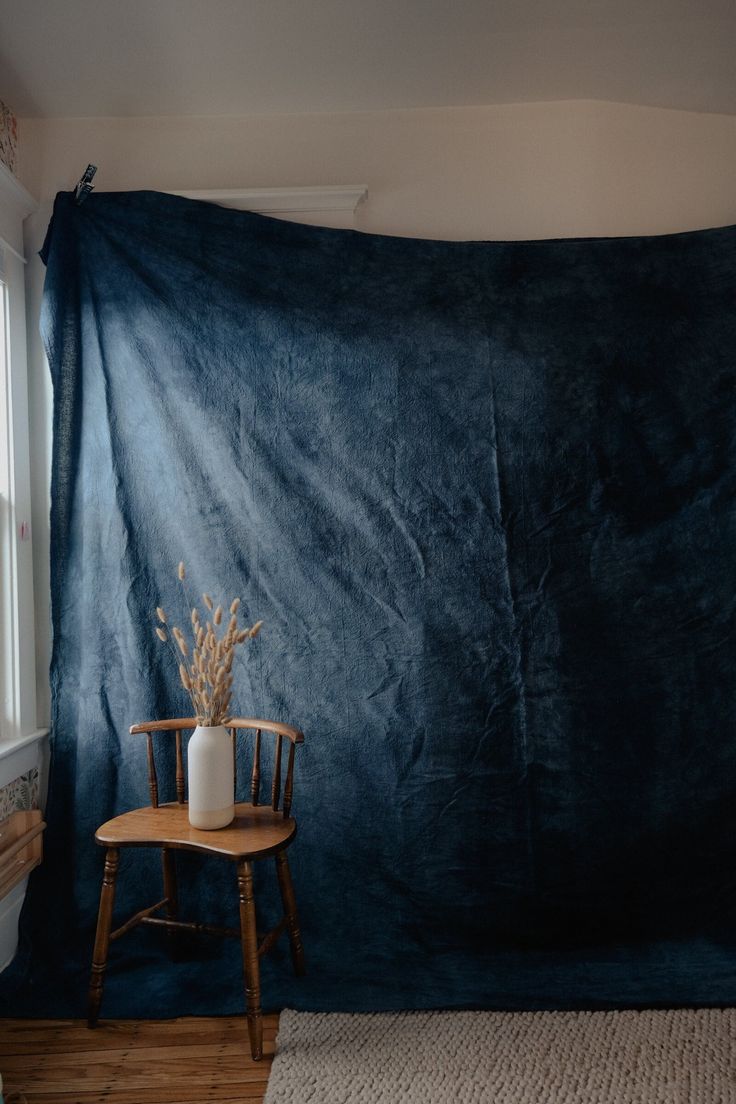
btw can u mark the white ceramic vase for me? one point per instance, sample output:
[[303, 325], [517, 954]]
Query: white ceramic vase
[[211, 781]]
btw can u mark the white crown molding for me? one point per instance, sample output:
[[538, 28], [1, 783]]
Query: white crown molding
[[334, 197], [14, 195]]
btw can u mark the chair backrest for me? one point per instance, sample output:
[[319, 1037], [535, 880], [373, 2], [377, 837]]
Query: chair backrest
[[280, 731]]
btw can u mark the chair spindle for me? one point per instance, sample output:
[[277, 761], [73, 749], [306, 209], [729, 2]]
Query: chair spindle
[[276, 788], [179, 769], [235, 764], [255, 780], [289, 787], [152, 779]]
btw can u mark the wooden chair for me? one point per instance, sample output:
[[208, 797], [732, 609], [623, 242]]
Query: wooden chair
[[257, 832]]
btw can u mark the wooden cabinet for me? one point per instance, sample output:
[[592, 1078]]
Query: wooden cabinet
[[21, 847]]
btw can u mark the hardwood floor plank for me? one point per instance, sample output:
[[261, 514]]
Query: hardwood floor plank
[[183, 1061], [101, 1090], [179, 1053], [30, 1036], [254, 1092], [131, 1027], [198, 1071]]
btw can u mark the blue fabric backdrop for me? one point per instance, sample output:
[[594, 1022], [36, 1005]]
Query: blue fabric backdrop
[[482, 495]]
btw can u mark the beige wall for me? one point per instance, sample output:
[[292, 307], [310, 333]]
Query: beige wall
[[512, 171]]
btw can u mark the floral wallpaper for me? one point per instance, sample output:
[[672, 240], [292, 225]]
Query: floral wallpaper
[[8, 137], [21, 793]]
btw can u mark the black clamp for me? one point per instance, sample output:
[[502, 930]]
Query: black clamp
[[85, 185]]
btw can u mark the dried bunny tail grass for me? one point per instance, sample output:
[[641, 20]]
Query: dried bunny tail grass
[[207, 677], [181, 571]]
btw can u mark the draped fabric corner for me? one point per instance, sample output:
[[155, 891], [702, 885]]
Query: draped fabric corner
[[482, 496]]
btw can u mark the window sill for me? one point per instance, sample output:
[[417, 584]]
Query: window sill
[[8, 747]]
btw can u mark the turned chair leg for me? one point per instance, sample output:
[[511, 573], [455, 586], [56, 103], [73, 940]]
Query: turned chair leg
[[251, 968], [292, 917], [168, 864], [102, 937]]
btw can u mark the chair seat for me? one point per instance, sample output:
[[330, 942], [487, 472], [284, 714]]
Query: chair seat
[[255, 832]]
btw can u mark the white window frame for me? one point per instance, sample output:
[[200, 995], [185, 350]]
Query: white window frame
[[18, 722]]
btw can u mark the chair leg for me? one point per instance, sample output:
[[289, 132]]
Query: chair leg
[[251, 968], [171, 892], [102, 937], [292, 917]]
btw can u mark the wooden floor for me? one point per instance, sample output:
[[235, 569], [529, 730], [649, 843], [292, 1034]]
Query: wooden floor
[[134, 1061]]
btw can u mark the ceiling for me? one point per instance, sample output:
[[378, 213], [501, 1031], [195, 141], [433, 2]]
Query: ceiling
[[234, 57]]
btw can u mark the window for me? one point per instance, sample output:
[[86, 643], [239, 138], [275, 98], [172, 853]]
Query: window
[[7, 611], [17, 638]]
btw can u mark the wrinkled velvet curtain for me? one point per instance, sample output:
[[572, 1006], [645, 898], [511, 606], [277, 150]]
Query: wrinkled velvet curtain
[[482, 495]]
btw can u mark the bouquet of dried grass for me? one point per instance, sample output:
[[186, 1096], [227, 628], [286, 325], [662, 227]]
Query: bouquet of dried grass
[[205, 669]]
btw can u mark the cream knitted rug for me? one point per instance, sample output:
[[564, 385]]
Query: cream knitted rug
[[670, 1057]]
